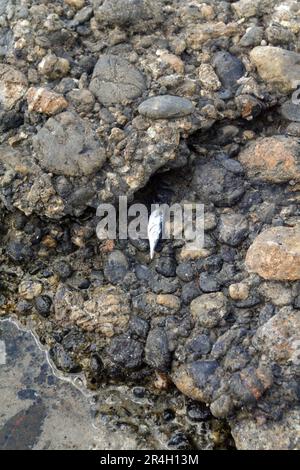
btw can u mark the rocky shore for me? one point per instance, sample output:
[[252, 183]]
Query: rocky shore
[[160, 101]]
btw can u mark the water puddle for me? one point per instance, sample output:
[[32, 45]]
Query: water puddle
[[41, 408]]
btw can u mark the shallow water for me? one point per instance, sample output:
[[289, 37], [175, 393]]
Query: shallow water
[[41, 408]]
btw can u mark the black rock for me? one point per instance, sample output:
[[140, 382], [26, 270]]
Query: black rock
[[74, 340], [162, 285], [116, 267], [189, 292], [168, 415], [43, 305], [229, 69], [84, 284], [139, 327], [142, 272], [215, 184], [10, 120], [140, 244], [96, 366], [126, 352], [297, 302], [23, 307], [179, 441], [20, 220], [186, 272], [18, 252], [251, 301], [64, 270], [62, 359], [198, 412], [210, 264], [139, 392], [157, 352], [232, 229], [202, 370], [267, 312], [166, 266], [199, 345], [208, 283], [27, 394]]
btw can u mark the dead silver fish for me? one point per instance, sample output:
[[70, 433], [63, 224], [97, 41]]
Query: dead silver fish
[[155, 226]]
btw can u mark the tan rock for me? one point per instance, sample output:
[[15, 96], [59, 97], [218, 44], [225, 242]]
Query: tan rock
[[203, 32], [13, 86], [278, 67], [208, 309], [208, 77], [30, 289], [77, 4], [279, 337], [53, 67], [106, 311], [169, 301], [252, 434], [248, 8], [187, 254], [275, 254], [239, 291], [273, 159], [41, 100], [184, 382], [172, 60]]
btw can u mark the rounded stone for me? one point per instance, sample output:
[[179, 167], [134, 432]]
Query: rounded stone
[[67, 145], [115, 80], [116, 267], [238, 291], [275, 254], [166, 107], [273, 159], [43, 305]]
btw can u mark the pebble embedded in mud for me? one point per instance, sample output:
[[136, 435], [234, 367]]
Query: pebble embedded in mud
[[166, 107]]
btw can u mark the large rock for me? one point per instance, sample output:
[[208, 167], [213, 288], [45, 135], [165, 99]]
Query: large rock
[[216, 184], [201, 33], [233, 229], [157, 352], [126, 352], [249, 8], [272, 159], [166, 107], [106, 311], [260, 434], [41, 100], [115, 80], [13, 86], [278, 67], [279, 337], [275, 254], [66, 145], [127, 12]]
